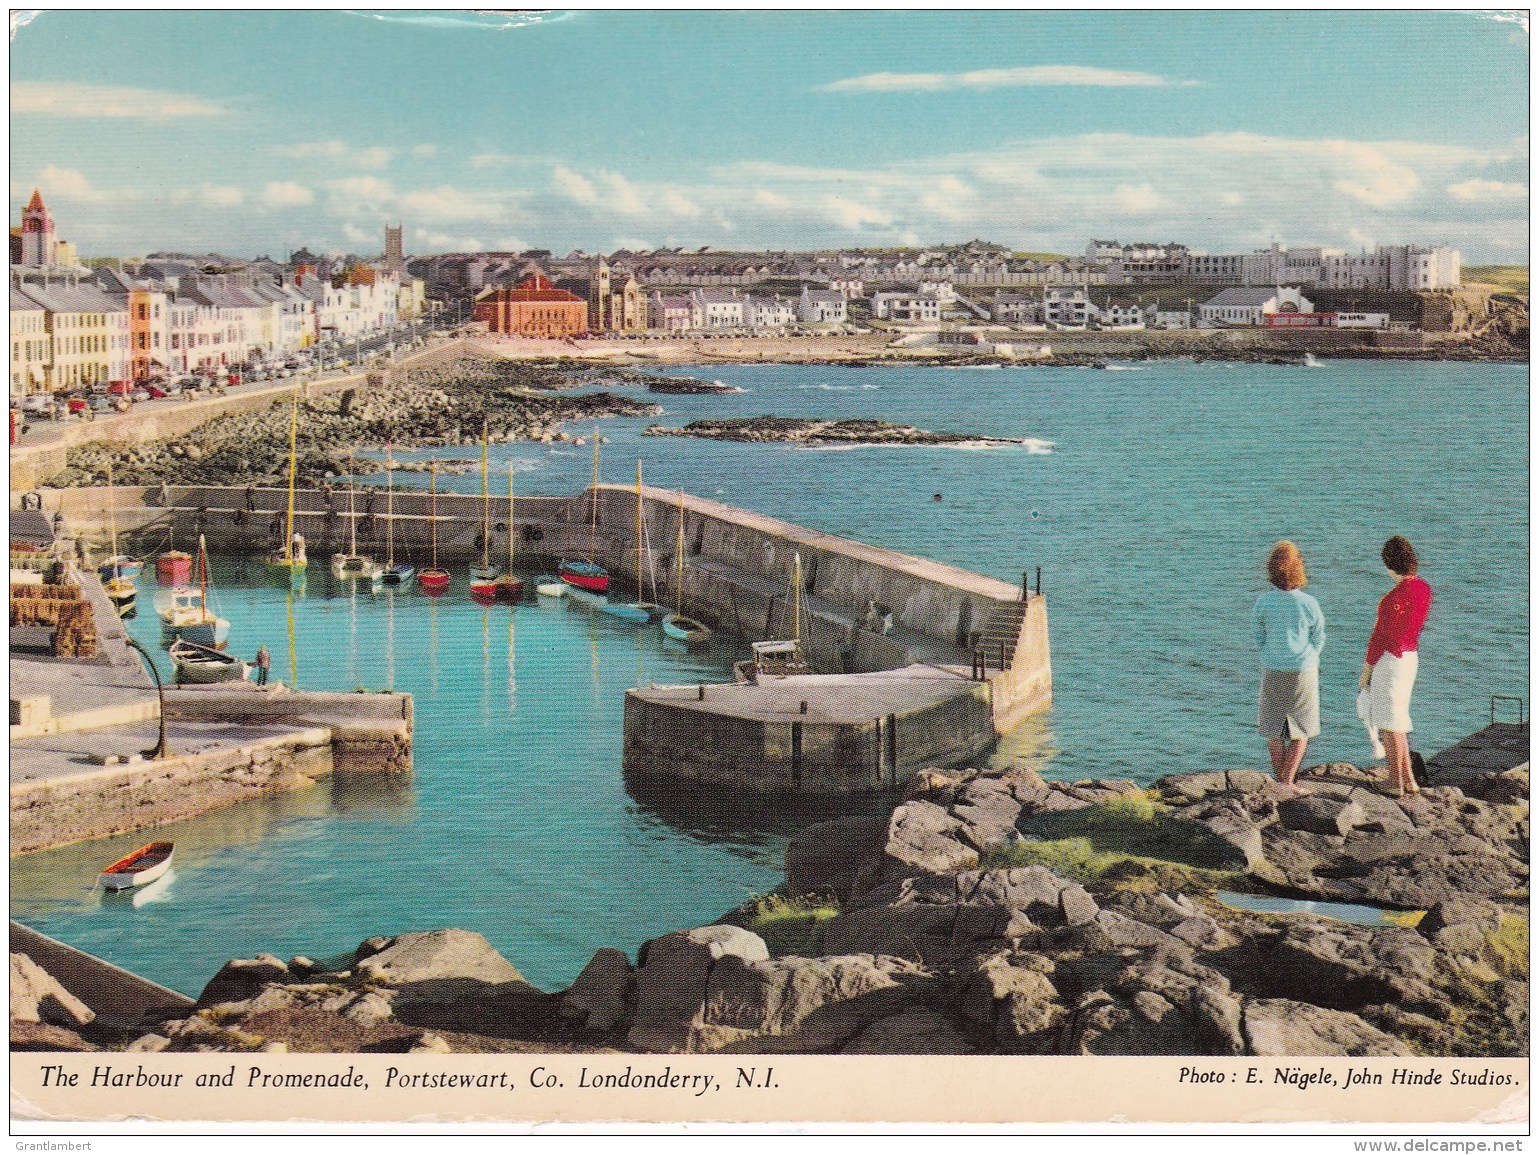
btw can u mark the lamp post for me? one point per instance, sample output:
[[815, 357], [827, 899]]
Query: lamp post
[[161, 750]]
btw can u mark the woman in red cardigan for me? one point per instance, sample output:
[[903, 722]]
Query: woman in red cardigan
[[1389, 670]]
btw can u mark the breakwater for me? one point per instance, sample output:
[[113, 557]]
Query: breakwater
[[943, 661]]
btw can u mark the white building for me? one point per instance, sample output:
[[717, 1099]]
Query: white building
[[716, 309], [823, 306], [1248, 305], [912, 308], [1065, 307], [768, 312]]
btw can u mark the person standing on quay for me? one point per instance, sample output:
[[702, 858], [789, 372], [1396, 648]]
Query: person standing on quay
[[264, 662], [1389, 670], [1290, 633]]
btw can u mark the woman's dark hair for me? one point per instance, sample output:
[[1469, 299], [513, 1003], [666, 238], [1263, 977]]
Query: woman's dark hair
[[1399, 556]]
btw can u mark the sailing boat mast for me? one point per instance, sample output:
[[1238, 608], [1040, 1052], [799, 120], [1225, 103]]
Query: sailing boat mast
[[389, 509], [593, 489], [638, 529], [352, 522], [288, 541], [486, 504], [433, 508], [510, 520], [678, 553], [796, 598]]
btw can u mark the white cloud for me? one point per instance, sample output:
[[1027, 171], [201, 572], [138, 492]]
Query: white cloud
[[678, 204], [429, 241], [70, 184], [286, 194], [1041, 75], [447, 203], [1488, 190], [217, 197], [623, 196], [105, 101], [357, 235], [374, 156], [853, 215], [1139, 200], [491, 160], [424, 150], [574, 185]]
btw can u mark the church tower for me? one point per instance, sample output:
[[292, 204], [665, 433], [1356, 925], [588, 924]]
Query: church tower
[[395, 252], [37, 239]]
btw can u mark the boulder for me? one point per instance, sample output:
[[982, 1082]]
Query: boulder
[[240, 979], [1320, 813], [434, 956], [922, 836], [913, 1031], [1347, 967], [672, 978], [827, 858], [598, 995], [1287, 1027], [38, 997]]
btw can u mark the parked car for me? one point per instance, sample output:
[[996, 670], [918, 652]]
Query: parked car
[[156, 392], [140, 394], [77, 405], [38, 405], [101, 403]]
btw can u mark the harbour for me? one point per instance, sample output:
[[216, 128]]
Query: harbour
[[518, 714]]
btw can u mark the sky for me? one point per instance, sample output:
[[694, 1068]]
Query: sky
[[259, 132]]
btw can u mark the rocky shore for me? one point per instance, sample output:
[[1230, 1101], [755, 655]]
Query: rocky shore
[[816, 431], [518, 401], [989, 912]]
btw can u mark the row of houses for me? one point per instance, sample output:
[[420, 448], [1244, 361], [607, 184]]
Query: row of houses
[[171, 314], [1391, 268]]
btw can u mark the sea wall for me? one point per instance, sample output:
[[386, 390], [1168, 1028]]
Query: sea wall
[[101, 802], [369, 733]]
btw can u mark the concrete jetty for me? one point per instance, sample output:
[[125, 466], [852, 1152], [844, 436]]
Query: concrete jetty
[[85, 731]]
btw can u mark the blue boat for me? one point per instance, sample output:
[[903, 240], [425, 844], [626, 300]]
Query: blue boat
[[642, 612], [127, 568]]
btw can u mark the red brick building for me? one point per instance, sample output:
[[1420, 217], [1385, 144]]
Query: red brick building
[[534, 309]]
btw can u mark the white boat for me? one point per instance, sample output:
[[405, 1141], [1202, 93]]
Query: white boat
[[203, 666], [676, 625], [142, 866], [352, 564], [289, 560], [184, 611], [779, 659], [118, 572], [395, 573], [550, 586], [638, 610]]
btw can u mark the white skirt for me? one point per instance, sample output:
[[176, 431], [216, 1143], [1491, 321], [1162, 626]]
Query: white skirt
[[1389, 692]]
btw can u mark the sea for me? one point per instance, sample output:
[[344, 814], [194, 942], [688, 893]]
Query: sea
[[1148, 494]]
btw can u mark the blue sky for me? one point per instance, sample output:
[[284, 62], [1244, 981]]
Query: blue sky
[[261, 131]]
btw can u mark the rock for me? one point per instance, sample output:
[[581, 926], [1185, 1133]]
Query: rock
[[1012, 997], [275, 1047], [827, 858], [430, 1044], [368, 1009], [915, 1031], [598, 996], [1286, 1027], [672, 977], [434, 956], [1347, 967], [924, 837], [38, 997], [1320, 813], [150, 1044], [29, 1035], [240, 979]]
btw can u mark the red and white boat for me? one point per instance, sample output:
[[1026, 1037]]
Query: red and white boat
[[433, 580], [142, 866], [585, 575]]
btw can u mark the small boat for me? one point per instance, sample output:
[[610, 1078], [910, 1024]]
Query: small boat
[[433, 581], [123, 596], [118, 572], [173, 568], [395, 573], [483, 577], [779, 659], [142, 866], [588, 575], [638, 610], [506, 587], [585, 575], [642, 612], [120, 566], [550, 586], [676, 625], [289, 559], [202, 666], [352, 564], [184, 611]]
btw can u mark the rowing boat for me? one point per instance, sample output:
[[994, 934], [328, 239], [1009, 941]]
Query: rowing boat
[[144, 865]]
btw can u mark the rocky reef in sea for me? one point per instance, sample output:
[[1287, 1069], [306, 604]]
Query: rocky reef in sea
[[989, 912]]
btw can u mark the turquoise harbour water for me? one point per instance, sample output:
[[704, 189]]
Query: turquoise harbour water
[[1150, 514]]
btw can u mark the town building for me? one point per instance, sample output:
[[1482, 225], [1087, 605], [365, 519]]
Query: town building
[[1252, 305], [908, 307], [823, 306], [1066, 307], [535, 308]]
